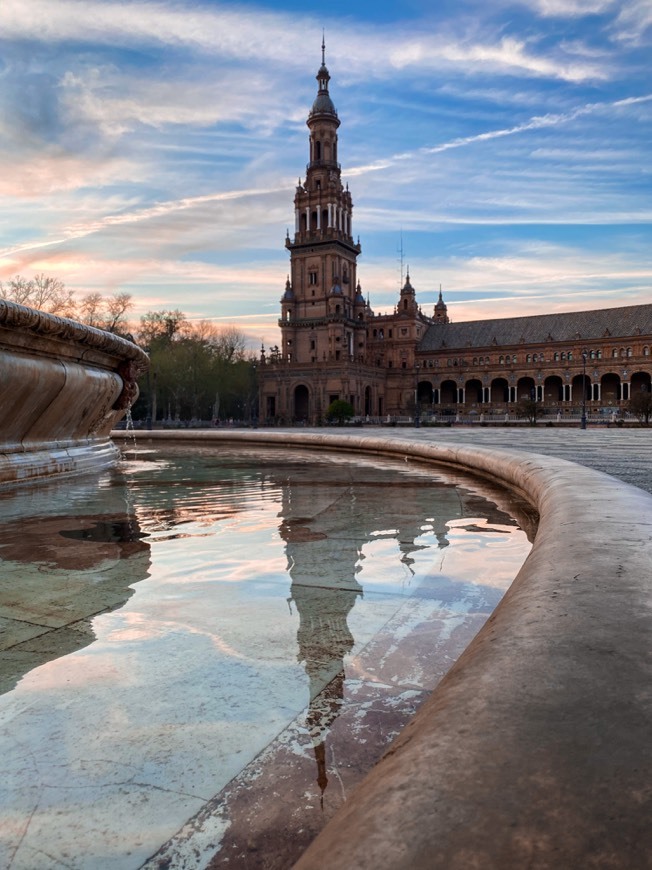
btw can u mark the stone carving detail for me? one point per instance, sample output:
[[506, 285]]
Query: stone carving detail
[[128, 371], [17, 316]]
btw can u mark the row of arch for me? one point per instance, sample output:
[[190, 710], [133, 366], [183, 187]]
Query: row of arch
[[610, 388]]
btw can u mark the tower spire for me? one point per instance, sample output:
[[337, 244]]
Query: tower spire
[[323, 48]]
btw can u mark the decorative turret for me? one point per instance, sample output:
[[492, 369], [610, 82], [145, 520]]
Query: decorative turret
[[408, 299], [288, 296], [441, 311]]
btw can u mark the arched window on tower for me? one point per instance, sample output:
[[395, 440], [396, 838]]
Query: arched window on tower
[[317, 150]]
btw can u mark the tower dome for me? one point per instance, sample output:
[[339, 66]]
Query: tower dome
[[323, 105]]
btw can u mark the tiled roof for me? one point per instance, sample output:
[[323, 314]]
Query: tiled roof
[[626, 322]]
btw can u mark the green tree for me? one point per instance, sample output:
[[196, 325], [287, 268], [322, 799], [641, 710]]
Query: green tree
[[197, 371], [339, 411], [640, 404], [528, 409]]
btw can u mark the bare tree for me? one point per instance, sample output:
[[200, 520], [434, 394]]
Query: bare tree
[[41, 292], [230, 344], [117, 306], [90, 309]]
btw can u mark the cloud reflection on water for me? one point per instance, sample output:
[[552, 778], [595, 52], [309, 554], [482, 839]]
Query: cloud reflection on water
[[286, 608]]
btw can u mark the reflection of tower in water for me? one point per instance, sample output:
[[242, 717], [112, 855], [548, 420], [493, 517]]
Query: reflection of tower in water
[[327, 523], [324, 639], [329, 516], [324, 537]]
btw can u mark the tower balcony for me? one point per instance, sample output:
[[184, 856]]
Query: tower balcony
[[323, 164]]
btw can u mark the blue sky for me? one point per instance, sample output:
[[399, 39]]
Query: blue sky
[[153, 148]]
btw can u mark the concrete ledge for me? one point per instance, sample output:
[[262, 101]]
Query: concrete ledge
[[534, 749]]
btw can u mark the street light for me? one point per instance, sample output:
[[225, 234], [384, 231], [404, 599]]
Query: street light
[[417, 421], [583, 423]]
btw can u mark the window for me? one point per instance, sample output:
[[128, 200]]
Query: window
[[501, 360], [312, 277], [528, 358], [646, 350], [629, 351], [599, 354], [555, 356], [614, 353]]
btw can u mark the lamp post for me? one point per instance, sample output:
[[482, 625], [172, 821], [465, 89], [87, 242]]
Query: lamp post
[[583, 423], [417, 421]]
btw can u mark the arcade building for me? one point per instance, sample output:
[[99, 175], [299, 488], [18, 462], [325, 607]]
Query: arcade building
[[409, 364]]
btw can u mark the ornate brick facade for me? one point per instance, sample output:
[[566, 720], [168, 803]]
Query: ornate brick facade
[[333, 346]]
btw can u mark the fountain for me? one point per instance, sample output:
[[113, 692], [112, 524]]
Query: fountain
[[64, 386]]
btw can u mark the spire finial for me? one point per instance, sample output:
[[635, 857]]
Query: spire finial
[[323, 48]]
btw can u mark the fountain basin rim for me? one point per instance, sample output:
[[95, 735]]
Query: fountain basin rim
[[532, 751]]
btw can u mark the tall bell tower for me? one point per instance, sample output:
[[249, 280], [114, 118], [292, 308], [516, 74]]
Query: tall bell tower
[[322, 309]]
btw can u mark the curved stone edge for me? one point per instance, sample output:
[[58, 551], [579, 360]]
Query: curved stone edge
[[534, 749], [56, 461]]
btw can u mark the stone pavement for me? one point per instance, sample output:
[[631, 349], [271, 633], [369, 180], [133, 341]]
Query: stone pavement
[[623, 453]]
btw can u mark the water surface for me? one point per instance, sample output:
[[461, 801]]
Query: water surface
[[202, 655]]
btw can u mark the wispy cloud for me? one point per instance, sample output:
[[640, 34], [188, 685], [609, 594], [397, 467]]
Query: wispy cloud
[[535, 123], [277, 37], [154, 146]]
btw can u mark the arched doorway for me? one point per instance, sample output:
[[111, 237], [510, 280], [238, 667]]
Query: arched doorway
[[553, 390], [424, 394], [610, 384], [448, 393], [473, 392], [301, 403], [367, 401], [578, 392], [640, 381], [499, 390], [525, 389]]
